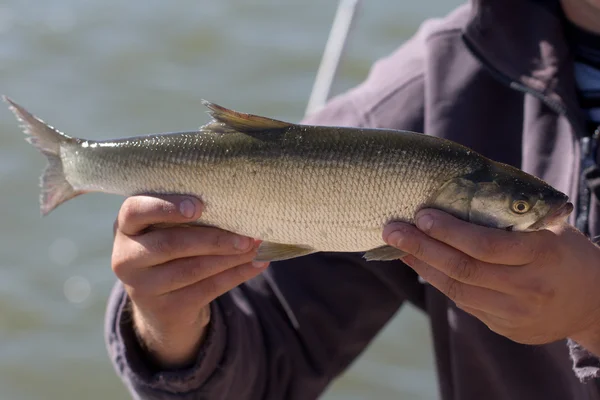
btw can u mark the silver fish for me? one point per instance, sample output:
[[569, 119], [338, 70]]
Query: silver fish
[[300, 189]]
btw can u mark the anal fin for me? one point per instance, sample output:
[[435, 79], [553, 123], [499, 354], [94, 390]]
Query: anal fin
[[384, 253], [269, 251]]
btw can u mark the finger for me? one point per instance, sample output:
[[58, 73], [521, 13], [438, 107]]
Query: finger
[[176, 274], [163, 245], [139, 212], [207, 290], [491, 245], [448, 260], [464, 295]]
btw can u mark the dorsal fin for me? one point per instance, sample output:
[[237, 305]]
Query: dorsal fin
[[243, 122]]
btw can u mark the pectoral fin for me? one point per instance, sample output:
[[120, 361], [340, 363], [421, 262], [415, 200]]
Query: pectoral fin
[[384, 253], [269, 251]]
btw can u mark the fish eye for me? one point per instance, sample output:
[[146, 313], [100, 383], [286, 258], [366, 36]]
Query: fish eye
[[520, 206]]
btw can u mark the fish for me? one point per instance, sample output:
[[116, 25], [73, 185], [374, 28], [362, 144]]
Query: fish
[[299, 189]]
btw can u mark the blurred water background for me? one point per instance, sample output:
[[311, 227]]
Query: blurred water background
[[103, 69]]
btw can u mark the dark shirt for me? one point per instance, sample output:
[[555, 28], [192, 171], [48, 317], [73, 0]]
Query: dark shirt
[[586, 49]]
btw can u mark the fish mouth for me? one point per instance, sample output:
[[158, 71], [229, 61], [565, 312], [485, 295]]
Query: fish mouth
[[558, 213]]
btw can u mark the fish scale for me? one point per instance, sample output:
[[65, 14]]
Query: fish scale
[[300, 189]]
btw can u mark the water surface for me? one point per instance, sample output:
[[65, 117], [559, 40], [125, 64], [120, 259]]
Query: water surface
[[104, 69]]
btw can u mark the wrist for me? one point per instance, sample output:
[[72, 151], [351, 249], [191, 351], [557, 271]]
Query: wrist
[[170, 347]]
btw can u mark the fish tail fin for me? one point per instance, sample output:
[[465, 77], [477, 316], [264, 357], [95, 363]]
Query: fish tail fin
[[55, 189]]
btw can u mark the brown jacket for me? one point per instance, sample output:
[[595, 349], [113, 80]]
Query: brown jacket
[[496, 76]]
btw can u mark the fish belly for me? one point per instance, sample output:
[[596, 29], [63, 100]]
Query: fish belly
[[331, 208]]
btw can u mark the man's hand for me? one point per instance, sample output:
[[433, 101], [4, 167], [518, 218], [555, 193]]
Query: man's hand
[[171, 275], [533, 287]]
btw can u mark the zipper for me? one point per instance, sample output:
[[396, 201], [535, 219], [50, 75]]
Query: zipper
[[588, 144]]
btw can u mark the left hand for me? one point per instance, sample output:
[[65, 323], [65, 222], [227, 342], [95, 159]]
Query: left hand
[[532, 287]]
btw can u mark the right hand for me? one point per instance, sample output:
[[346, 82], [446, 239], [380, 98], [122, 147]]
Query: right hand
[[172, 274]]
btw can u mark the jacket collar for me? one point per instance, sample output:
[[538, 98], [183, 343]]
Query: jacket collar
[[523, 42]]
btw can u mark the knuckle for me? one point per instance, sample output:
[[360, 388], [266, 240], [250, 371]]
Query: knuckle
[[129, 212], [504, 277], [136, 281], [119, 268], [221, 239], [540, 295], [536, 291], [178, 276], [418, 248], [164, 244], [120, 264], [532, 252], [517, 245], [459, 268], [453, 290], [489, 246], [185, 274], [518, 313]]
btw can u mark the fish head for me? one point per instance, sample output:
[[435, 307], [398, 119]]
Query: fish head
[[501, 196]]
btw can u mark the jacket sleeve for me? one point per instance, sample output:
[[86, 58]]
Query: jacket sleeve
[[585, 364], [290, 331]]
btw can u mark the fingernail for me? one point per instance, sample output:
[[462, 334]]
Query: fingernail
[[425, 222], [241, 242], [259, 264], [187, 208], [396, 238]]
